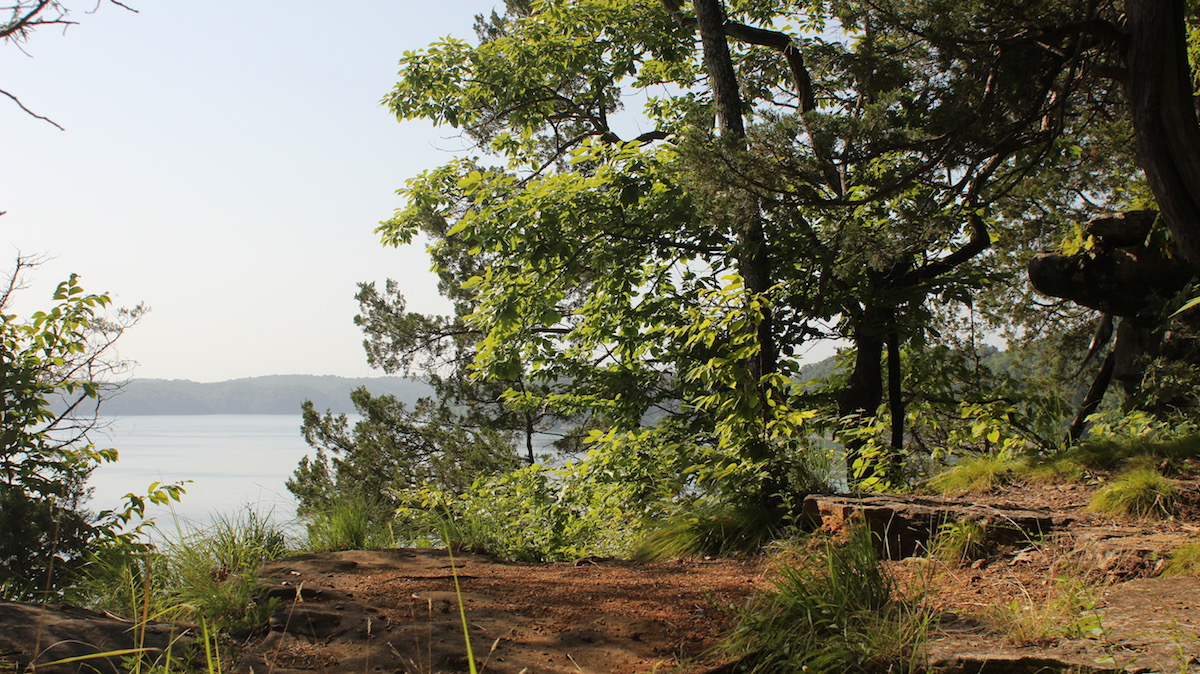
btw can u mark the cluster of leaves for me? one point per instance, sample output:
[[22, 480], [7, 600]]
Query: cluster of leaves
[[53, 369]]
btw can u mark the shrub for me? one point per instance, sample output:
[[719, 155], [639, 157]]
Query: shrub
[[52, 367], [832, 610], [1140, 492], [530, 514]]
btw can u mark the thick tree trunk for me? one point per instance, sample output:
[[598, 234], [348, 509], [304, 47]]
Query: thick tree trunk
[[895, 393], [864, 391], [1164, 116]]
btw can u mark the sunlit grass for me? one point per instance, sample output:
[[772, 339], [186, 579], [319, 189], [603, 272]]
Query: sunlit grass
[[832, 609], [1141, 492]]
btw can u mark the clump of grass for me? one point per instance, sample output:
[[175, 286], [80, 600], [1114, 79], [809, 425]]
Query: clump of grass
[[1068, 613], [206, 574], [1057, 470], [977, 474], [1114, 454], [1141, 492], [350, 523], [709, 529], [1183, 561], [960, 542], [213, 570], [832, 610], [200, 575]]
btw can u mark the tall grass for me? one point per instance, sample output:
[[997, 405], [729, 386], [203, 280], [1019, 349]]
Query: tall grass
[[710, 529], [831, 610], [350, 523], [198, 574]]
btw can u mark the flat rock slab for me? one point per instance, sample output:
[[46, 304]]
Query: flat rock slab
[[1122, 553], [906, 525], [40, 635]]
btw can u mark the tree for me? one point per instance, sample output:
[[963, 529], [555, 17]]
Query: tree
[[392, 449], [27, 16], [849, 180], [55, 369]]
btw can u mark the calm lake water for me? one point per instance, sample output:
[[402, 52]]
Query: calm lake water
[[233, 461]]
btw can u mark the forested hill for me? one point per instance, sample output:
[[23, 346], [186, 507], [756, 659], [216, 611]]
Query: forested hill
[[277, 394]]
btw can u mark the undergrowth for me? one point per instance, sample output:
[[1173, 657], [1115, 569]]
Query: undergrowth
[[831, 609], [979, 473], [1068, 613]]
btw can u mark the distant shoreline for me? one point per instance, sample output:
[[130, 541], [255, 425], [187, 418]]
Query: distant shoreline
[[269, 395]]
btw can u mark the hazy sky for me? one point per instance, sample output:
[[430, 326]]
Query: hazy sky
[[225, 163]]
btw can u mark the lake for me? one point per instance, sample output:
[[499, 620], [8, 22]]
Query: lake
[[234, 461]]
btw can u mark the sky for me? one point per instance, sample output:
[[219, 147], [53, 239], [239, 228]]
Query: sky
[[225, 163]]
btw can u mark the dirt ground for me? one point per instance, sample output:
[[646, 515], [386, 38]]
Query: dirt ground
[[397, 610]]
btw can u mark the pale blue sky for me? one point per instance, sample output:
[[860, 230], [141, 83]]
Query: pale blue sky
[[225, 163]]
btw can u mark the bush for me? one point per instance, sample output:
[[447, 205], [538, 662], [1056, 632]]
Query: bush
[[832, 610], [52, 367], [530, 514]]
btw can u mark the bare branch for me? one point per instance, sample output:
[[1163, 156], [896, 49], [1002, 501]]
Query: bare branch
[[31, 113]]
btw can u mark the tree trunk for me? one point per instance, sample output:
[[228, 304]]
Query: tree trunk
[[529, 438], [752, 256], [1095, 394], [864, 390], [1164, 116], [895, 393]]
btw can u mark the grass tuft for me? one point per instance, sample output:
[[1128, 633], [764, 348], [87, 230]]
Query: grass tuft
[[350, 523], [831, 610], [961, 542], [1141, 492], [977, 474], [1183, 561], [1067, 614], [709, 530]]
